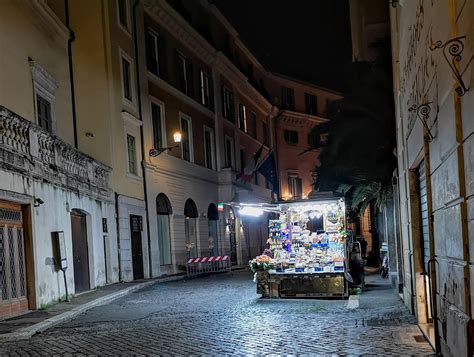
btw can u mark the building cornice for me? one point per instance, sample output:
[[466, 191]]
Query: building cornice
[[47, 19], [162, 84], [174, 23], [300, 120]]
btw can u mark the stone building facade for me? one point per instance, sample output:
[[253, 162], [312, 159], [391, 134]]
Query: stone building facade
[[48, 188], [89, 90], [433, 44]]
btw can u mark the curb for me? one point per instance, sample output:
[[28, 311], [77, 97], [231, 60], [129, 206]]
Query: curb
[[28, 332]]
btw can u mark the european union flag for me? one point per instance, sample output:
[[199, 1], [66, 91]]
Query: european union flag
[[269, 171]]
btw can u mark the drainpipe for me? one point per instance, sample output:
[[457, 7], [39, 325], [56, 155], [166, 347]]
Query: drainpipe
[[72, 37], [117, 228], [140, 117]]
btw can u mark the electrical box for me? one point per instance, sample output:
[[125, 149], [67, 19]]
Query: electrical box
[[59, 249]]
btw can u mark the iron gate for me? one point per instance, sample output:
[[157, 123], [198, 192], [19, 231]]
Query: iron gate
[[13, 298]]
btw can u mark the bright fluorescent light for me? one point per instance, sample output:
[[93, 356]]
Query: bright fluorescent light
[[251, 211]]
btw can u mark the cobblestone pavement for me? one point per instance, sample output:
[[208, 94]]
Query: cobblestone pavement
[[222, 315]]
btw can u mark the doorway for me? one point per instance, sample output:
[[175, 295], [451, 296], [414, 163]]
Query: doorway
[[13, 286], [232, 236], [137, 249], [80, 251]]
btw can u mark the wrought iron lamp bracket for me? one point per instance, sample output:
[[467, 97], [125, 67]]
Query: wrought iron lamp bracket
[[452, 52], [155, 152], [423, 113]]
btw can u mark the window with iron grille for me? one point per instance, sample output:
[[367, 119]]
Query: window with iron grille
[[291, 136]]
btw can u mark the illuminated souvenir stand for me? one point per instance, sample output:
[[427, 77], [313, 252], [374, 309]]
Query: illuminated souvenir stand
[[306, 253]]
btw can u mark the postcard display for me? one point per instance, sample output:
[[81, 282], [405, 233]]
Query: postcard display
[[307, 252]]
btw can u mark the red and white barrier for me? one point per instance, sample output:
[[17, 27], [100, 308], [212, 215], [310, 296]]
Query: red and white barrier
[[195, 266]]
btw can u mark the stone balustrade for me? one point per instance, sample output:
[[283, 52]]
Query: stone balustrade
[[48, 155]]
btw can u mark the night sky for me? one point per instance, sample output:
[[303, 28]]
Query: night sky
[[306, 39]]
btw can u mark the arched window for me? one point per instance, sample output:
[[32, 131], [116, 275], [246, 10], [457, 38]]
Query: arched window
[[163, 210], [212, 224], [190, 215]]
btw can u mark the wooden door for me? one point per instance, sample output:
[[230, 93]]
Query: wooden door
[[13, 290], [137, 251], [80, 252]]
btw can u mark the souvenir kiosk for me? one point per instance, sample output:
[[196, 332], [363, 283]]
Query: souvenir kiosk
[[306, 253]]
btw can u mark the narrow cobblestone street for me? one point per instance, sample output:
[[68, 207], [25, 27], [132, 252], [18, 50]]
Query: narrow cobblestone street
[[222, 315]]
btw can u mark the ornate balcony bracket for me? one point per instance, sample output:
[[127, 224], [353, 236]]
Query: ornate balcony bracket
[[452, 52], [423, 113]]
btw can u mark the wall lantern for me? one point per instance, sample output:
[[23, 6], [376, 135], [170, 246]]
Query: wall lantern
[[177, 136]]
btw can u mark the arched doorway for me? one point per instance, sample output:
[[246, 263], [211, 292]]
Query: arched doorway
[[212, 224], [230, 228], [190, 216], [163, 212], [80, 251]]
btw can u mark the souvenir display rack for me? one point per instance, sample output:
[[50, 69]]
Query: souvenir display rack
[[306, 253]]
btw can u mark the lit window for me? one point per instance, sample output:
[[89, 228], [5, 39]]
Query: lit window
[[295, 187], [243, 117], [186, 140]]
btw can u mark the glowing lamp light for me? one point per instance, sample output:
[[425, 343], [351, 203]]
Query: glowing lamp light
[[251, 211], [177, 137]]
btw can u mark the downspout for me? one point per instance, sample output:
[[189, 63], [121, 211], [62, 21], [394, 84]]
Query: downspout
[[117, 228], [72, 37], [140, 117]]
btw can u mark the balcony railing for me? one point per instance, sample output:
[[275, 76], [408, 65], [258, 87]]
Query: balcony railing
[[29, 149]]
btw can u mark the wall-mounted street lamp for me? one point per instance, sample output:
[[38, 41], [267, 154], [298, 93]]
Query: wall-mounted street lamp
[[157, 151]]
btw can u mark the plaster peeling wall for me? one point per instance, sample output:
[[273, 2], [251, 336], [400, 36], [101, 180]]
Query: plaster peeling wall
[[54, 215], [424, 76]]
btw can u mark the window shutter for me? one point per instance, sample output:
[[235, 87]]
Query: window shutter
[[163, 58]]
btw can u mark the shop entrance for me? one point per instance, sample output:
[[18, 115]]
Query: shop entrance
[[13, 295], [80, 251], [137, 251], [425, 238], [232, 236]]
